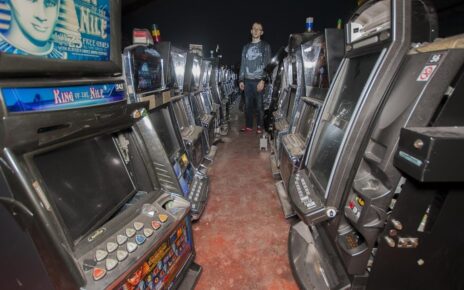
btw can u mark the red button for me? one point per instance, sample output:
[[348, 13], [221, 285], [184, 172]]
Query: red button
[[98, 273], [351, 204]]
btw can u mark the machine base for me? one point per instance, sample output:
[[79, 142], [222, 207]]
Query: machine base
[[191, 277], [313, 265], [284, 201]]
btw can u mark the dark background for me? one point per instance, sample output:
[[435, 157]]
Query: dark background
[[228, 23]]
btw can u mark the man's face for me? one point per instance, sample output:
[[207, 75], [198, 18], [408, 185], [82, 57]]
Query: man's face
[[256, 31], [36, 18]]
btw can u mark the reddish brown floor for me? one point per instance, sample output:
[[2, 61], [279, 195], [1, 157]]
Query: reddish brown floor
[[241, 239]]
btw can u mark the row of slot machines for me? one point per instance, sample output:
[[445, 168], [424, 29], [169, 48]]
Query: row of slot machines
[[188, 109], [98, 182], [365, 144]]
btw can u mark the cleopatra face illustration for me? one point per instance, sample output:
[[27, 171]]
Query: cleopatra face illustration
[[35, 18]]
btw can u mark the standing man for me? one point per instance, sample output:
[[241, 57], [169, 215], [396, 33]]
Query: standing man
[[255, 56]]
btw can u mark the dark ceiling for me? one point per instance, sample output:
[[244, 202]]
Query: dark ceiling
[[228, 25], [440, 5]]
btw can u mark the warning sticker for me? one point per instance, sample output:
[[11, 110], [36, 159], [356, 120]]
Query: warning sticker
[[426, 73]]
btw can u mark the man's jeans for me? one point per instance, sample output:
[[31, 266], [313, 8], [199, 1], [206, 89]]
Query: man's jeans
[[253, 100]]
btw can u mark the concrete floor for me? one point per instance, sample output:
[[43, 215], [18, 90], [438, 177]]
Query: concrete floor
[[241, 239]]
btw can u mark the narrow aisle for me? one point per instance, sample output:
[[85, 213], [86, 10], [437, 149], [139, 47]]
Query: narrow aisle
[[241, 239]]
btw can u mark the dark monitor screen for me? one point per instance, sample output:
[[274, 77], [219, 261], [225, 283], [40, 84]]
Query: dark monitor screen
[[87, 181], [148, 70], [336, 119], [291, 104], [161, 119], [180, 113], [307, 120]]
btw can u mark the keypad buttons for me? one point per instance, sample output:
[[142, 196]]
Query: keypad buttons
[[98, 273], [121, 239], [121, 255], [163, 217], [89, 264], [155, 225], [138, 226], [139, 239], [130, 232], [131, 246], [110, 264], [147, 232], [111, 247], [100, 255]]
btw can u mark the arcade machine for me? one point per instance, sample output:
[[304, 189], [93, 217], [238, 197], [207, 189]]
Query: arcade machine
[[201, 110], [317, 61], [208, 101], [329, 254], [163, 140], [76, 213], [192, 135], [223, 102], [275, 70], [295, 90]]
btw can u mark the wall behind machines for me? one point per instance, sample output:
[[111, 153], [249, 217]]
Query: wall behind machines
[[203, 21]]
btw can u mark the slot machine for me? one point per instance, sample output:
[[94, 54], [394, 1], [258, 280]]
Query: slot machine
[[379, 36], [200, 101], [77, 211], [192, 134], [275, 70], [317, 61], [143, 69], [223, 104]]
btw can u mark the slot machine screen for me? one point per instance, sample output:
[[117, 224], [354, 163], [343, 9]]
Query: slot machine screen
[[165, 129], [334, 123], [196, 71], [87, 181], [306, 120], [291, 104], [179, 60], [181, 115], [147, 69], [315, 67]]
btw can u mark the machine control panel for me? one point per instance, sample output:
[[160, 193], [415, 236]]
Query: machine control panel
[[116, 255], [306, 202], [198, 194]]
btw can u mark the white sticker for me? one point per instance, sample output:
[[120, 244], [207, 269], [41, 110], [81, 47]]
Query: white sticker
[[426, 73], [435, 58]]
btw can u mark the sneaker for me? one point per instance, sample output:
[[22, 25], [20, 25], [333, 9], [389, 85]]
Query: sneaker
[[246, 129], [258, 130]]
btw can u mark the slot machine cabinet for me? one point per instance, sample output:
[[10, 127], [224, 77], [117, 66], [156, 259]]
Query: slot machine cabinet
[[85, 240], [275, 69], [223, 106], [284, 119], [158, 132], [377, 181], [200, 102], [316, 57], [181, 107], [356, 96]]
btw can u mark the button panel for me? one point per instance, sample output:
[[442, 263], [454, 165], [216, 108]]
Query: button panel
[[303, 192], [112, 254]]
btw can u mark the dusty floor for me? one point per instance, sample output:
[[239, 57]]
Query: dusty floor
[[241, 239]]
